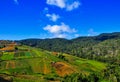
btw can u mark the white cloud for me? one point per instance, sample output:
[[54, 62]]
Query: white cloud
[[77, 35], [91, 32], [59, 28], [53, 17], [72, 6], [58, 3], [46, 9], [16, 1], [60, 35], [59, 31], [64, 4]]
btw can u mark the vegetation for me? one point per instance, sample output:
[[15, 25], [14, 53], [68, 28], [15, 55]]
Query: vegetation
[[29, 64], [84, 59]]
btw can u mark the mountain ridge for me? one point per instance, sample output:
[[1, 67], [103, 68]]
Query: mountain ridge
[[103, 45], [117, 34]]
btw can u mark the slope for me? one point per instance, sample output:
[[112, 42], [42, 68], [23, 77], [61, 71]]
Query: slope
[[29, 64]]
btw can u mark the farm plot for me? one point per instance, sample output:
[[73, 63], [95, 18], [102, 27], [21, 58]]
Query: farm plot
[[23, 54], [15, 67], [7, 56]]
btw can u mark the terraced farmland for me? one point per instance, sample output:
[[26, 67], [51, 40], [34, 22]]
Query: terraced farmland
[[28, 64]]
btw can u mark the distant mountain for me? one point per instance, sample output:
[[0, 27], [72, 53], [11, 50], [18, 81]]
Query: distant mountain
[[106, 36], [101, 37]]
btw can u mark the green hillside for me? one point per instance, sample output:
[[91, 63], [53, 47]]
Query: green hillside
[[104, 48], [84, 47], [28, 64]]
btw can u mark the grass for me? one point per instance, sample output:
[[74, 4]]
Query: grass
[[7, 56], [31, 79], [84, 64], [98, 65]]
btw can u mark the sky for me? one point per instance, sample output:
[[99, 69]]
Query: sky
[[22, 19]]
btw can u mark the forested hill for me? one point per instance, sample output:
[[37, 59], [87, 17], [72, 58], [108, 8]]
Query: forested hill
[[99, 38], [85, 47]]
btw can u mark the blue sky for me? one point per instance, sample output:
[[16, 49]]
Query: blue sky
[[21, 19]]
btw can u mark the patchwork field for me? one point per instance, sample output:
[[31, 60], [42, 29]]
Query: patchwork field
[[28, 64]]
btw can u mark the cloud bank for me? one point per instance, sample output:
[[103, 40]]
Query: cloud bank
[[64, 4], [59, 31]]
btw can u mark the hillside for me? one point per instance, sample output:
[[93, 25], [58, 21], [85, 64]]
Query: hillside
[[82, 46], [28, 64], [84, 59], [104, 48]]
